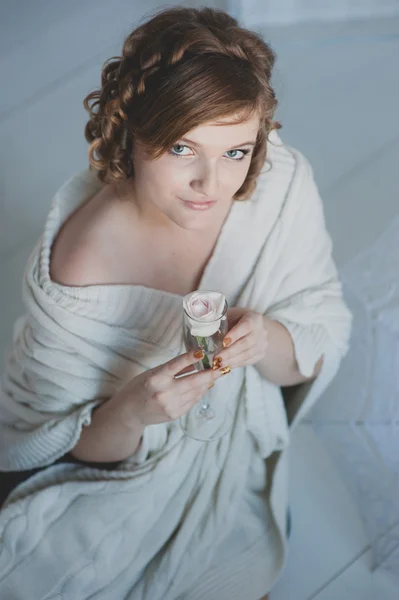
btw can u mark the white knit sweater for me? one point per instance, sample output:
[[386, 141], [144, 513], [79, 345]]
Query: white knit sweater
[[177, 508]]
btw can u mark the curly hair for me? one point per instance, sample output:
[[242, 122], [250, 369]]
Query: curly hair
[[182, 68]]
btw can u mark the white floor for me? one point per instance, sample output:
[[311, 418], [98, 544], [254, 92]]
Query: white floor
[[339, 95]]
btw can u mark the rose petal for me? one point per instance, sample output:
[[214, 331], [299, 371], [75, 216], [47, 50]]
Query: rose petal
[[206, 309], [205, 330], [199, 307]]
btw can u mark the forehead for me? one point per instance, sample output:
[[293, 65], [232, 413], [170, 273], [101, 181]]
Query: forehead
[[225, 131]]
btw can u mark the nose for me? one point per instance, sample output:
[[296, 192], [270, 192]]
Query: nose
[[206, 182]]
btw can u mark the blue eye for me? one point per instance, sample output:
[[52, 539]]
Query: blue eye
[[245, 152], [177, 146]]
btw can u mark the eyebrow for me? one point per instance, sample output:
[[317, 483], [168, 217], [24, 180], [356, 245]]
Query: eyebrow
[[249, 143]]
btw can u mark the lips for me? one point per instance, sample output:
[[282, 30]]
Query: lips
[[198, 206], [196, 201]]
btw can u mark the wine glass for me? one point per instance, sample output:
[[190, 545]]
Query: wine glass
[[210, 418]]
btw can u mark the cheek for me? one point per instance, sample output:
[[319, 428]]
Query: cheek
[[236, 179], [160, 183], [165, 188], [166, 177], [235, 173]]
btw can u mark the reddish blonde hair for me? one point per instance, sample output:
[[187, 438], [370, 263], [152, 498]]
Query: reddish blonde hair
[[181, 69]]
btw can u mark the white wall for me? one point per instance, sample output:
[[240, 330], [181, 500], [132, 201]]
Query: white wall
[[269, 12]]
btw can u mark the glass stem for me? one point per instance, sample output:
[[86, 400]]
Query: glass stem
[[205, 407]]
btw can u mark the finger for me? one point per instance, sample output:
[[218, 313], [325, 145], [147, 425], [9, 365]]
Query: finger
[[160, 378], [184, 400], [242, 345], [181, 362], [201, 379], [233, 316], [187, 401], [241, 329], [184, 408], [188, 370], [195, 393], [248, 357]]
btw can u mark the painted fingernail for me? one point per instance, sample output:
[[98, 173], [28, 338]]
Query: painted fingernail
[[225, 370], [217, 363], [199, 354], [226, 342]]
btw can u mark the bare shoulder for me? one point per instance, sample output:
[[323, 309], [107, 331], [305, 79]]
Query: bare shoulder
[[87, 247]]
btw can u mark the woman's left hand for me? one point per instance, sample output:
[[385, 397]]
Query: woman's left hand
[[248, 337]]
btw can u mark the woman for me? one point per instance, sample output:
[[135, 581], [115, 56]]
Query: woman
[[110, 498]]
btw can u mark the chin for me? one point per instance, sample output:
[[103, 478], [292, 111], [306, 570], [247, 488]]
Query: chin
[[192, 225]]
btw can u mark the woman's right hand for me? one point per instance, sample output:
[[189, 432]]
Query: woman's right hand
[[156, 396]]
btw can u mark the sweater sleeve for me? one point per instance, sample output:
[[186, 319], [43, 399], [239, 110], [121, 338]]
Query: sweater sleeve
[[307, 292], [41, 418]]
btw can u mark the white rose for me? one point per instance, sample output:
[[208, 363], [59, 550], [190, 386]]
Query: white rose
[[204, 310]]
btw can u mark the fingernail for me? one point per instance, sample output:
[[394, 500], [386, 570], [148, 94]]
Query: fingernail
[[225, 370], [217, 363], [226, 342], [211, 386], [199, 354]]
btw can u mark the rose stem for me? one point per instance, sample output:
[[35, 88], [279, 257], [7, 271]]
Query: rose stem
[[205, 361]]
